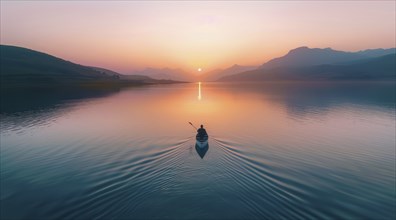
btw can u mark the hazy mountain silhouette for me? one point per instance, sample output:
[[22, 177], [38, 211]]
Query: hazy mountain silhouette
[[219, 73], [106, 71], [165, 74], [22, 67], [304, 56], [376, 52], [126, 77], [377, 68]]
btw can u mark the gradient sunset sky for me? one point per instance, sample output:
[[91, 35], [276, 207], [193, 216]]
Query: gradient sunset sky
[[131, 35]]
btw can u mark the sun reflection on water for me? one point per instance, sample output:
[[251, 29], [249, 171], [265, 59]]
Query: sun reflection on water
[[199, 91]]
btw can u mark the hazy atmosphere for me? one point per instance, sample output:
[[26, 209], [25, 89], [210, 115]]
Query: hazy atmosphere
[[124, 35], [198, 110]]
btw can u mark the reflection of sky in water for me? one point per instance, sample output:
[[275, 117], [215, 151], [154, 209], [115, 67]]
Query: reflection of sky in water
[[325, 149], [226, 108]]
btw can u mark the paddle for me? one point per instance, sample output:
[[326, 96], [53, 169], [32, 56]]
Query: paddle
[[193, 125]]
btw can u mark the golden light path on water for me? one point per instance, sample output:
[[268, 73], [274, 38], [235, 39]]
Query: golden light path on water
[[199, 91]]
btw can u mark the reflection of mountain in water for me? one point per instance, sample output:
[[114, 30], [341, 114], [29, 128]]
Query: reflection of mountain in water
[[32, 107], [201, 150], [37, 106], [319, 98], [304, 98]]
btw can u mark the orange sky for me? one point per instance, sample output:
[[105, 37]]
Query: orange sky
[[131, 35]]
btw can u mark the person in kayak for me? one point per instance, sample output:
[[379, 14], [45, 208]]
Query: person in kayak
[[202, 131]]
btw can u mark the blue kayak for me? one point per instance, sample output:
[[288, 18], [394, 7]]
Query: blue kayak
[[202, 140]]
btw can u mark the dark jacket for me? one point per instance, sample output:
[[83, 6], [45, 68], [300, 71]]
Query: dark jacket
[[202, 132]]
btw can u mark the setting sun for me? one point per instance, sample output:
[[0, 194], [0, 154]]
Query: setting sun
[[197, 109]]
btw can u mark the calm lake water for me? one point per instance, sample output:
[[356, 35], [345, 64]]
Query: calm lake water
[[276, 151]]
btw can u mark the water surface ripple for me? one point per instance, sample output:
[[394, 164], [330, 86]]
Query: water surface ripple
[[131, 156]]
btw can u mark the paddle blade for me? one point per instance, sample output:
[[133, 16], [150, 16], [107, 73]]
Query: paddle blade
[[192, 125]]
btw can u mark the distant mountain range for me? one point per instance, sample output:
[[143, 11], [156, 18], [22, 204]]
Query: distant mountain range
[[304, 56], [165, 74], [22, 67], [181, 75], [219, 73], [308, 64]]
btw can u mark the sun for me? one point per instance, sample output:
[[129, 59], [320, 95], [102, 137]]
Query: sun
[[199, 69]]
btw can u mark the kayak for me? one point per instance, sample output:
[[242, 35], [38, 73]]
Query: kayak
[[202, 140], [201, 150]]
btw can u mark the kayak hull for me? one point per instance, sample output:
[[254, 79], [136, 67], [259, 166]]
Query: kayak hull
[[202, 144], [201, 150], [202, 141]]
